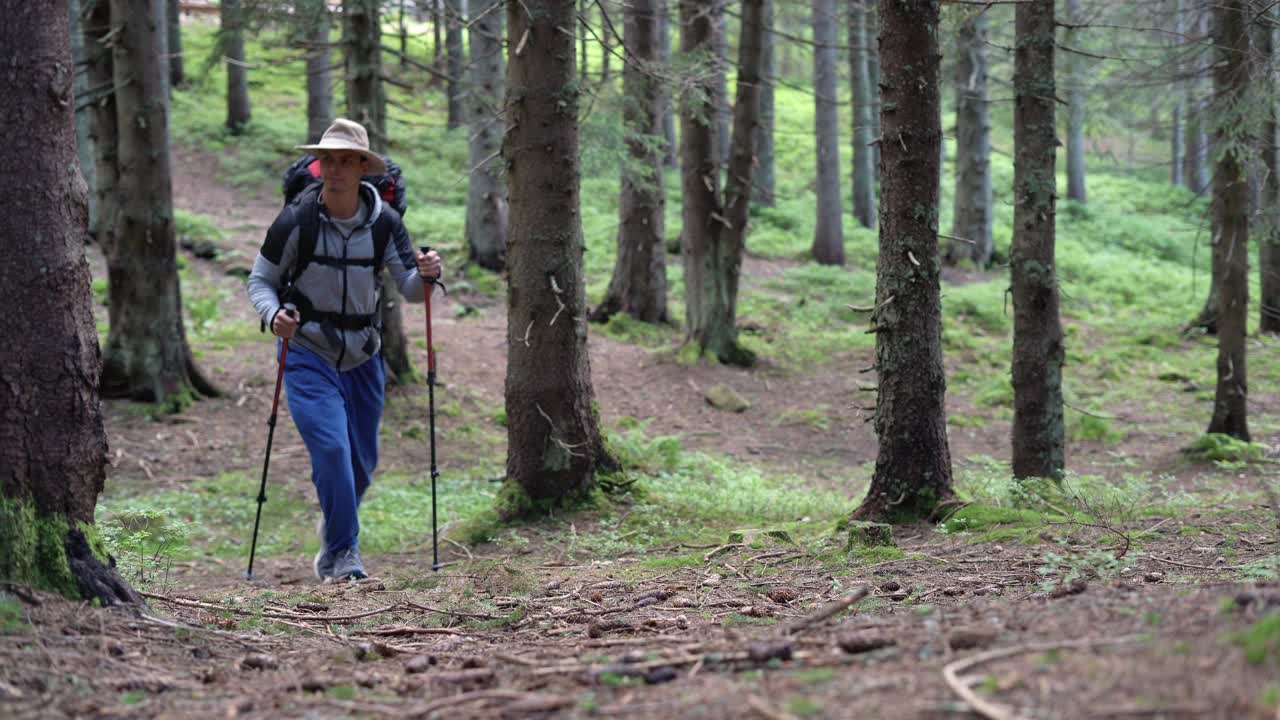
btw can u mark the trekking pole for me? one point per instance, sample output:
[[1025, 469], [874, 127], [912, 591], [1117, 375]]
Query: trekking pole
[[431, 414], [271, 432]]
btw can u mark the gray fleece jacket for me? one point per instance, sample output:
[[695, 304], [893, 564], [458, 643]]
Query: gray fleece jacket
[[335, 281]]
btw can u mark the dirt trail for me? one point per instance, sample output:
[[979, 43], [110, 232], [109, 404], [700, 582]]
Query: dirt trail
[[529, 634]]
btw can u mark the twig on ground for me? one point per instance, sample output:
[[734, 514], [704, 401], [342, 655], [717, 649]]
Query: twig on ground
[[988, 709], [268, 613], [763, 707], [831, 609], [712, 553], [547, 702]]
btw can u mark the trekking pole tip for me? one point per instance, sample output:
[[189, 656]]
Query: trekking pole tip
[[247, 575]]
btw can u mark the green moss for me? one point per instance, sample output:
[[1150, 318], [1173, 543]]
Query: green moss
[[872, 555], [33, 549], [984, 517], [1261, 642], [1218, 447], [11, 619]]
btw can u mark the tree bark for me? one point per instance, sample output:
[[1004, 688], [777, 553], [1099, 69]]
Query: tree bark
[[721, 88], [1038, 431], [315, 15], [1196, 157], [671, 151], [456, 9], [639, 284], [712, 264], [913, 464], [366, 96], [173, 17], [99, 75], [486, 226], [864, 173], [873, 69], [1075, 107], [1232, 50], [84, 113], [972, 219], [828, 238], [53, 448], [766, 176], [1269, 238], [146, 357], [232, 37], [553, 437], [1177, 120], [746, 129]]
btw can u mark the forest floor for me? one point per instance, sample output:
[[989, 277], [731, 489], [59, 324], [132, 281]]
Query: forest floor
[[1152, 594]]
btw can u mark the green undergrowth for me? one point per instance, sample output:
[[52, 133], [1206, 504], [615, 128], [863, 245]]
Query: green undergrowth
[[12, 620], [1261, 641]]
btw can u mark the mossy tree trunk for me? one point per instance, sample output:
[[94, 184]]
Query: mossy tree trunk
[[1232, 49], [864, 173], [486, 227], [712, 262], [639, 284], [232, 39], [146, 357], [972, 219], [553, 435], [1038, 430], [913, 464], [828, 236], [315, 17], [52, 442]]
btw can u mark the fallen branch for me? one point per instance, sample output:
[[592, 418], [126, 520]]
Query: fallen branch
[[183, 602], [831, 609], [549, 702], [991, 710], [707, 557]]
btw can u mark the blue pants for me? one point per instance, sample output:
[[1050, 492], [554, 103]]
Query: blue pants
[[337, 414]]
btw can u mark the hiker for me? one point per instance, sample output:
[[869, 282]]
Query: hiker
[[320, 263]]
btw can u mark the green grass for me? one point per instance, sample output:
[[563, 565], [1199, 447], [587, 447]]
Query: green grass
[[1261, 642], [12, 620]]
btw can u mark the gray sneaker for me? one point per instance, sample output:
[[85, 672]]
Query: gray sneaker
[[323, 563], [347, 565]]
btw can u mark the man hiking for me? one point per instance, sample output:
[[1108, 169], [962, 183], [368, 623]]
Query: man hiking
[[315, 280]]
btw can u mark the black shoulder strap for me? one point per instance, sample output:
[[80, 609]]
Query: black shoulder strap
[[381, 239], [307, 209]]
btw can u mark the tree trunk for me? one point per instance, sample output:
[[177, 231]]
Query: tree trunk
[[671, 151], [99, 76], [711, 264], [319, 69], [1269, 238], [972, 219], [232, 36], [146, 357], [367, 105], [1196, 158], [721, 89], [766, 178], [53, 449], [366, 96], [1038, 353], [437, 21], [639, 284], [606, 45], [746, 131], [1075, 106], [864, 174], [84, 113], [584, 32], [913, 465], [828, 238], [873, 70], [553, 437], [1177, 120], [173, 17], [1231, 209], [486, 227], [457, 62], [404, 38]]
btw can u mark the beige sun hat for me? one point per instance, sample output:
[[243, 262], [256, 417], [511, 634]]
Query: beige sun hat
[[346, 134]]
